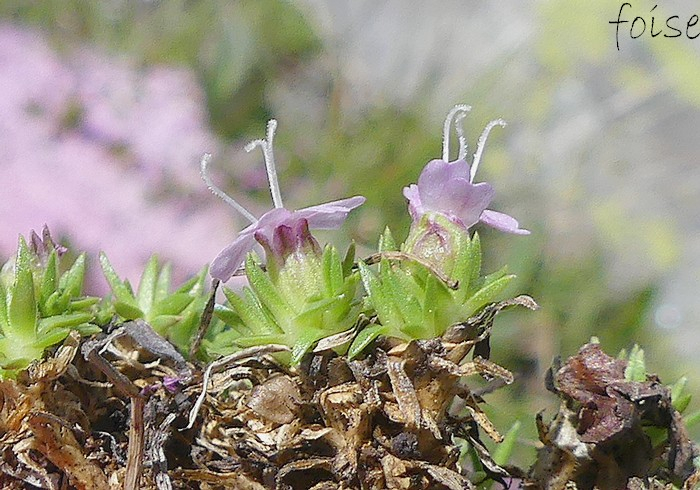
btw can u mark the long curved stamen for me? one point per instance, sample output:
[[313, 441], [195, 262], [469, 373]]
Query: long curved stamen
[[461, 109], [462, 155], [269, 157], [221, 194], [481, 144]]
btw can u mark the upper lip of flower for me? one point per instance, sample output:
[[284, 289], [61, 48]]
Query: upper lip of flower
[[330, 215], [447, 187]]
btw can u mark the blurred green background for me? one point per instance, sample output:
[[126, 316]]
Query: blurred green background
[[598, 159]]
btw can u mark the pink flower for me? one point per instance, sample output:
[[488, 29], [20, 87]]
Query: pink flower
[[269, 232], [447, 187], [280, 231]]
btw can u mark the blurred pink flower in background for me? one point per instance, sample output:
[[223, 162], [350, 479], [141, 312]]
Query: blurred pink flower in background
[[107, 155]]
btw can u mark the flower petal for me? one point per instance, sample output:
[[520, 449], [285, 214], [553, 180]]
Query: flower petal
[[502, 222], [329, 215], [231, 257], [415, 205], [464, 201], [436, 172]]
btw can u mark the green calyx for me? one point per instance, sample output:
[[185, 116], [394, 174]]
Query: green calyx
[[410, 296], [310, 298], [39, 307], [174, 315]]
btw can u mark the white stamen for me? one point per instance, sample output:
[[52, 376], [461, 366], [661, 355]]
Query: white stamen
[[221, 194], [462, 110], [460, 136], [269, 157], [481, 144]]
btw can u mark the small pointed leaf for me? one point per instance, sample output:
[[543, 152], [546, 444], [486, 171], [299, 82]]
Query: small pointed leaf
[[147, 285], [22, 309]]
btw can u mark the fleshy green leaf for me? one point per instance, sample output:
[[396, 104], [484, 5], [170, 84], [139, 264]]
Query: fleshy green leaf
[[49, 281], [636, 369], [265, 290], [4, 321], [50, 338], [127, 310], [147, 285], [162, 287], [302, 346], [251, 312], [84, 303], [120, 290], [171, 305], [227, 315], [71, 282], [22, 309], [46, 325], [505, 449], [679, 397], [387, 242], [386, 310], [365, 337], [332, 271], [486, 294], [161, 323], [349, 260]]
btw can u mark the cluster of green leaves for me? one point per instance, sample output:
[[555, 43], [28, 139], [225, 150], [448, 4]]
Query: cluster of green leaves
[[302, 304], [174, 315], [412, 302], [39, 306]]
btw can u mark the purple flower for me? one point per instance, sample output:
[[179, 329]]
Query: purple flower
[[448, 188], [330, 215], [281, 232]]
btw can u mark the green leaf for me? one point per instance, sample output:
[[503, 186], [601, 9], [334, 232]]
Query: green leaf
[[387, 242], [173, 304], [4, 320], [332, 271], [474, 269], [314, 311], [302, 346], [435, 295], [22, 310], [127, 310], [266, 291], [162, 323], [87, 329], [253, 340], [636, 370], [386, 310], [49, 283], [227, 315], [349, 260], [147, 285], [692, 419], [120, 290], [251, 312], [505, 449], [486, 294], [162, 287], [46, 325], [365, 337], [679, 397], [408, 306], [83, 303], [71, 282], [48, 339], [57, 303], [463, 261]]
